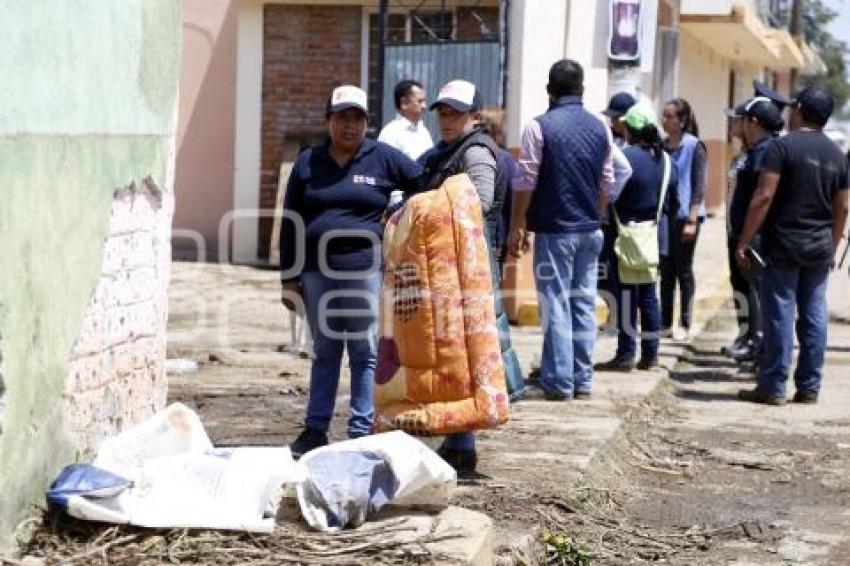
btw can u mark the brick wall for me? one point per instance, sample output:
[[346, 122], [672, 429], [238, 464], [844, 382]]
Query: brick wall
[[116, 371], [307, 50]]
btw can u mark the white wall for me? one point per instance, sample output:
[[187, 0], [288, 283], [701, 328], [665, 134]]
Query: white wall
[[707, 7], [703, 81], [542, 32], [586, 40], [537, 31], [249, 81]]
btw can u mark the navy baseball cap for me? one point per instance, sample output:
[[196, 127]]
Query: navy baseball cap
[[459, 95], [765, 112], [761, 89], [817, 102], [619, 104]]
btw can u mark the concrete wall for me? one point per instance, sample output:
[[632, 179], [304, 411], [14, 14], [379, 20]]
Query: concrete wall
[[307, 51], [86, 150], [206, 133], [704, 82], [542, 33]]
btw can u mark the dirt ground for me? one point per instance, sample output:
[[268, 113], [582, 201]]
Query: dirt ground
[[672, 489], [691, 476]]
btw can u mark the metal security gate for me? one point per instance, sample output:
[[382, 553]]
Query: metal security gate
[[456, 40], [436, 64]]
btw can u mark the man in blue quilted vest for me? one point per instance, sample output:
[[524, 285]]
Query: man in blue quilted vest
[[566, 175]]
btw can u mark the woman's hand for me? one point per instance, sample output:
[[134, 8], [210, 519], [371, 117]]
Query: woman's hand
[[291, 295], [689, 231]]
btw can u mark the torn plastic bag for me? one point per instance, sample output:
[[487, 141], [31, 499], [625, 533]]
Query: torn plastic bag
[[349, 486], [179, 480], [412, 474]]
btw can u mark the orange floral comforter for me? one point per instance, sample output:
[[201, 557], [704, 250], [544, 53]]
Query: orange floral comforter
[[439, 365]]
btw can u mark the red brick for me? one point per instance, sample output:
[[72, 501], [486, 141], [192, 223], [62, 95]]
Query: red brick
[[307, 50]]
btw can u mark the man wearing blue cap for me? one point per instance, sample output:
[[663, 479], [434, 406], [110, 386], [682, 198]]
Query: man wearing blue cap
[[619, 104], [759, 120], [801, 207]]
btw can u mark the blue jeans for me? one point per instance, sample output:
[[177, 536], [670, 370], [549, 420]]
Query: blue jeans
[[629, 300], [342, 313], [787, 291], [565, 272]]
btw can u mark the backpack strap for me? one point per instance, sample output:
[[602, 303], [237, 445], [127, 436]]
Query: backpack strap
[[665, 181], [664, 184]]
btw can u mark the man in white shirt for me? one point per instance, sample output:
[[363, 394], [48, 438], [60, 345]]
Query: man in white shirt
[[407, 132]]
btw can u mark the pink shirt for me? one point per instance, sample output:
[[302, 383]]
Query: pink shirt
[[615, 173]]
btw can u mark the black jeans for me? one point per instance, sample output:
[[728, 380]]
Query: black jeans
[[678, 267], [748, 313]]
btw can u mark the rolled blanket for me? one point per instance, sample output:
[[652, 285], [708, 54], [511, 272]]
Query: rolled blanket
[[439, 370]]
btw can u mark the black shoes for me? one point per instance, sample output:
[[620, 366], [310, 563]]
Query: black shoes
[[647, 363], [806, 397], [759, 396], [463, 461], [309, 439], [615, 364], [535, 392]]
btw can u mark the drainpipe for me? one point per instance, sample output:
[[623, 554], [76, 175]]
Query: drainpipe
[[505, 35], [795, 28], [383, 21]]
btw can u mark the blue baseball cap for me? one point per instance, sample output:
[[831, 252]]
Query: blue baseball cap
[[619, 104]]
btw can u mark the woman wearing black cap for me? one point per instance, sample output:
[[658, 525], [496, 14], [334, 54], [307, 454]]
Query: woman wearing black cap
[[330, 255]]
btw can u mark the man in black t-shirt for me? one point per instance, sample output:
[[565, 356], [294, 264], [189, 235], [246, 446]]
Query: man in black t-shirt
[[801, 207]]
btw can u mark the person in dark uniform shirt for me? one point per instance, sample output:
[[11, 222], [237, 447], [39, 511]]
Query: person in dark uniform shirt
[[331, 263], [800, 207]]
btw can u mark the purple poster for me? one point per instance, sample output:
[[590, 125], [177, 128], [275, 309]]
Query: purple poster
[[624, 40]]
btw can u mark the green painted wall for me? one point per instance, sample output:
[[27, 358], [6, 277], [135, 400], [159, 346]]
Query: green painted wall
[[91, 111]]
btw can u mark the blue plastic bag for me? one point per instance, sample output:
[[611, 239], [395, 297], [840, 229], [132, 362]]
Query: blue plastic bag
[[84, 480]]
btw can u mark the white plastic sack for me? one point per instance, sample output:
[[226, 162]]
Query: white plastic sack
[[180, 480], [422, 477]]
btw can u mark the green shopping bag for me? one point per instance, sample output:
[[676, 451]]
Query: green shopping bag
[[636, 246]]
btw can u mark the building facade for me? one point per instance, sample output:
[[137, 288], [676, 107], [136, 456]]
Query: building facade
[[725, 45], [256, 74]]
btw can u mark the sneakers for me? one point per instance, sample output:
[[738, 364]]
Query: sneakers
[[463, 461], [759, 396], [615, 364], [581, 395], [309, 439], [806, 397], [647, 363]]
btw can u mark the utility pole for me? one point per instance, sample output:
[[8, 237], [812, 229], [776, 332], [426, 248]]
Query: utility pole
[[795, 28], [383, 21]]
